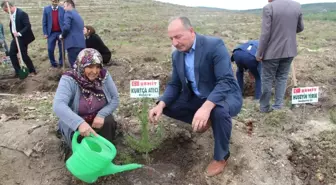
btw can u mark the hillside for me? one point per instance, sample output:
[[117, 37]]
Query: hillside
[[293, 146], [307, 8]]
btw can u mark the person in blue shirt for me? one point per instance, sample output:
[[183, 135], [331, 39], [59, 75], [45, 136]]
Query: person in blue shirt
[[202, 91], [244, 56]]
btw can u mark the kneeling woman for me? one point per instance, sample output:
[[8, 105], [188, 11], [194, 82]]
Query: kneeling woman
[[86, 98], [92, 40]]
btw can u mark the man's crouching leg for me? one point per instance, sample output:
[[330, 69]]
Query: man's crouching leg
[[221, 126], [183, 110]]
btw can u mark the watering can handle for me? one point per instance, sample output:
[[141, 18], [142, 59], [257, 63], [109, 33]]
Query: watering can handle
[[75, 144], [107, 143], [74, 141]]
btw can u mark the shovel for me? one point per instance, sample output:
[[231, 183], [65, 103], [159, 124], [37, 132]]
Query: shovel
[[63, 56], [23, 72], [293, 79]]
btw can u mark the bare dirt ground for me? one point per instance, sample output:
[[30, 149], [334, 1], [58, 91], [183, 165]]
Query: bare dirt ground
[[292, 146]]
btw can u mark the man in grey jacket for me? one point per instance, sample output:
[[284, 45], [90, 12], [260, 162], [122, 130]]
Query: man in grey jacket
[[281, 21]]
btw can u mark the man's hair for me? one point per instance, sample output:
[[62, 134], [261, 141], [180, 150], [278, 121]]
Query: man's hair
[[185, 21], [70, 2], [4, 4], [90, 29]]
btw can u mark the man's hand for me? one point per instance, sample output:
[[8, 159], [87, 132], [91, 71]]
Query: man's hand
[[155, 113], [85, 129], [45, 36], [60, 37], [98, 122], [259, 59], [16, 34], [202, 116]]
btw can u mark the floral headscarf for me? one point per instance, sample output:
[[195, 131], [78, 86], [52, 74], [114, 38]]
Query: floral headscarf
[[89, 88]]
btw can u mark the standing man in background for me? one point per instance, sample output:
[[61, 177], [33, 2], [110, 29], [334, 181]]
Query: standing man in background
[[20, 27], [281, 20], [52, 22], [72, 32]]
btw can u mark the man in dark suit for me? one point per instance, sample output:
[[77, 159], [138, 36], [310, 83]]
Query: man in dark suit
[[72, 34], [281, 21], [52, 22], [22, 30], [244, 56], [203, 91]]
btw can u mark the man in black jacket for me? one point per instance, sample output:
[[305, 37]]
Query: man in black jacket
[[22, 30]]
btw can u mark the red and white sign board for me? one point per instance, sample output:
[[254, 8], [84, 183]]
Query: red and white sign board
[[305, 95], [144, 88]]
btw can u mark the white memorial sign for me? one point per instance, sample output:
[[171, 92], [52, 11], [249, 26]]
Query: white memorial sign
[[305, 95], [144, 88]]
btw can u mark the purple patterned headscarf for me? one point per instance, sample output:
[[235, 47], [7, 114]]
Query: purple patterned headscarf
[[88, 88]]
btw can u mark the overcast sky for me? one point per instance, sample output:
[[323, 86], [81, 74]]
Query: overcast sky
[[234, 4]]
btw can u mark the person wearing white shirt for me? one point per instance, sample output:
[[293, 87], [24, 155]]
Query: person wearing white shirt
[[20, 28]]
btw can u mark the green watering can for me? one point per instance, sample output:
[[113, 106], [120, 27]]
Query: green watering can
[[92, 158]]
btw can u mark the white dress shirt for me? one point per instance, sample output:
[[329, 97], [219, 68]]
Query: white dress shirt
[[13, 22]]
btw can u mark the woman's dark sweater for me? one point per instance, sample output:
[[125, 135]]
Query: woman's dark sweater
[[95, 42]]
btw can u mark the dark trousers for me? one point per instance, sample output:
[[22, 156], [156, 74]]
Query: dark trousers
[[106, 58], [244, 61], [72, 55], [220, 118], [109, 128], [52, 38], [6, 47], [26, 59], [107, 131]]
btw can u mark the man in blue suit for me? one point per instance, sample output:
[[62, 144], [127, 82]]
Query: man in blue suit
[[72, 34], [203, 91], [244, 56], [52, 22]]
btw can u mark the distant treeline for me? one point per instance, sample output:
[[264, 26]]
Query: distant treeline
[[306, 8], [316, 11], [325, 16]]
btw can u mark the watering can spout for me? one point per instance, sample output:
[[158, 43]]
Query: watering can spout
[[113, 169]]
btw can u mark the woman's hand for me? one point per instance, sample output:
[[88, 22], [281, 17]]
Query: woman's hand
[[85, 129], [98, 122]]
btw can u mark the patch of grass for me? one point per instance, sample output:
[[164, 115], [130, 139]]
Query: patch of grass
[[323, 16], [37, 108], [126, 157], [278, 118], [288, 102], [332, 115], [5, 66], [200, 30], [248, 111]]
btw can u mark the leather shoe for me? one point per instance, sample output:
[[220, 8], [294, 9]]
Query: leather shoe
[[32, 74], [215, 168]]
